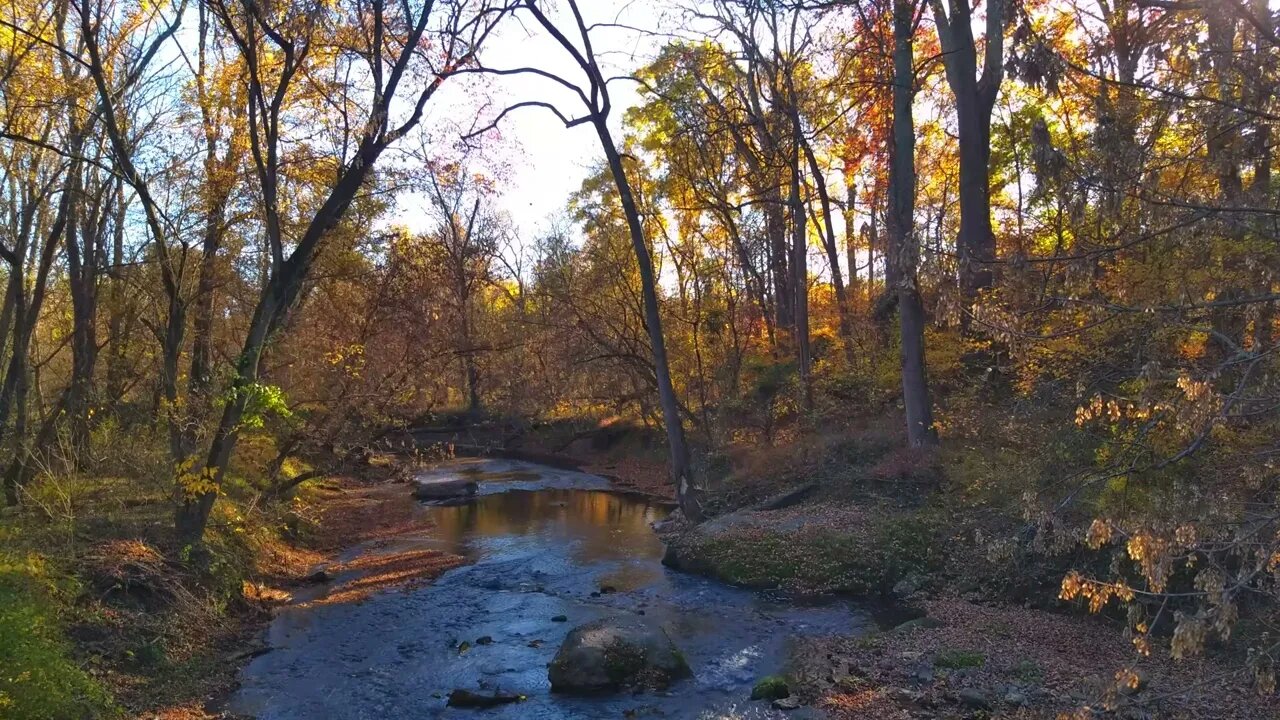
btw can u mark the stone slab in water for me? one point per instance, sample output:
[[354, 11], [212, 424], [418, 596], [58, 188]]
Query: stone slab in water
[[443, 488]]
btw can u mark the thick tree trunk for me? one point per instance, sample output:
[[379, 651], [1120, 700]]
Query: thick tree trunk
[[903, 246], [81, 248], [851, 236], [975, 98], [976, 243], [776, 229], [201, 377], [117, 323]]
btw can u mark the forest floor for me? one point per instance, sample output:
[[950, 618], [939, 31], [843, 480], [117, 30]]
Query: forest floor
[[984, 639], [372, 512], [167, 643], [977, 638]]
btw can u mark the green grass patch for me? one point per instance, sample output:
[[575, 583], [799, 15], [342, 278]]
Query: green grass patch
[[39, 679], [952, 659]]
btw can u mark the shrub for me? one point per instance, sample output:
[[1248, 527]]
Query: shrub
[[770, 687]]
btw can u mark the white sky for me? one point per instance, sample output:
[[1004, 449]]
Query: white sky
[[542, 162]]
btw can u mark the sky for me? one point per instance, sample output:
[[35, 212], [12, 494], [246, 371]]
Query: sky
[[542, 162]]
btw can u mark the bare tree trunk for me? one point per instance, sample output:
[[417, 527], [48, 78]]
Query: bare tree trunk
[[85, 235], [851, 235], [117, 325], [776, 229], [800, 273], [687, 492], [13, 394], [975, 98], [903, 246]]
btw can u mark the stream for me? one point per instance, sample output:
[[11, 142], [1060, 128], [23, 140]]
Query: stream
[[543, 543]]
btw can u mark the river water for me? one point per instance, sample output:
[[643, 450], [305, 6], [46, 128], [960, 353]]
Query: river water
[[543, 543]]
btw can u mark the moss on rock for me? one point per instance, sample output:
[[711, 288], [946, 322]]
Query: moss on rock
[[810, 559], [770, 687]]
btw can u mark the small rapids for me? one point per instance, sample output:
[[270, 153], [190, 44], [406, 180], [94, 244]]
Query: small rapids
[[544, 543]]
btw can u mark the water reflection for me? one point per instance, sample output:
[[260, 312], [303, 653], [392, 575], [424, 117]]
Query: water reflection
[[599, 525], [542, 553]]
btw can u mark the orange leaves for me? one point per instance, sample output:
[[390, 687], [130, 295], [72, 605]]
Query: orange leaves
[[1151, 553], [1099, 534], [1096, 594]]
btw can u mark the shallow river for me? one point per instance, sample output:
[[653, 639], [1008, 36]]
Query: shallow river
[[544, 543]]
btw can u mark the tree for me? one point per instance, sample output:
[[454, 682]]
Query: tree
[[595, 98], [466, 242], [904, 248], [975, 96], [399, 46]]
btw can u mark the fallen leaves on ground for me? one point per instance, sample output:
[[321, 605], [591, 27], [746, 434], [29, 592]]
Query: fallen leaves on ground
[[1021, 663]]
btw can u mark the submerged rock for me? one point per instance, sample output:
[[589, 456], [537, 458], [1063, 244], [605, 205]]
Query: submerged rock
[[317, 577], [786, 703], [610, 654], [446, 488], [466, 699]]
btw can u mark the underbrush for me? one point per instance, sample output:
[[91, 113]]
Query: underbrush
[[40, 678], [102, 613]]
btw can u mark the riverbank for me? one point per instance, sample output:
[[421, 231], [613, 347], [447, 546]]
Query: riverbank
[[841, 514], [853, 516], [103, 618]]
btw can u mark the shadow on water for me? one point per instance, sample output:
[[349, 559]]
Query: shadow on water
[[544, 544]]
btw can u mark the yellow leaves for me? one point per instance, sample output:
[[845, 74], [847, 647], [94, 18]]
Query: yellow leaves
[[350, 358], [1185, 535], [1151, 553], [1113, 411], [1193, 346], [1096, 594], [1099, 534], [1273, 563], [1129, 680], [1194, 390], [1142, 644], [193, 484]]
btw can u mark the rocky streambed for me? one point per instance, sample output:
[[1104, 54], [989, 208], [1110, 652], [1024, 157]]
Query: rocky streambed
[[550, 550]]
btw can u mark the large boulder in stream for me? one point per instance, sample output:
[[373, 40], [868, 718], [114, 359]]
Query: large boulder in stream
[[616, 653], [443, 488]]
